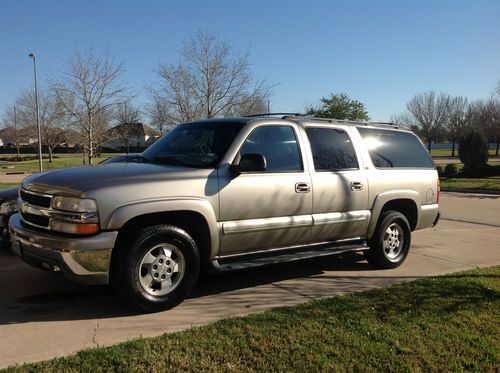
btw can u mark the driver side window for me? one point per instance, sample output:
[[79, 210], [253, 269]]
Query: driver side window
[[278, 145]]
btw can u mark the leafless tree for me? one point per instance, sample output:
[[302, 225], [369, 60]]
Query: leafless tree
[[90, 89], [127, 116], [486, 118], [53, 121], [428, 113], [157, 110], [211, 80], [127, 112], [458, 119]]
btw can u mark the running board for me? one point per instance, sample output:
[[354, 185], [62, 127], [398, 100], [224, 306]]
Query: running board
[[237, 263]]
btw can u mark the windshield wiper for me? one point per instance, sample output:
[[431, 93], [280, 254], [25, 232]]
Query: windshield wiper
[[138, 158], [170, 160]]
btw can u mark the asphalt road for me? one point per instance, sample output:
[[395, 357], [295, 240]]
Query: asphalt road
[[43, 316]]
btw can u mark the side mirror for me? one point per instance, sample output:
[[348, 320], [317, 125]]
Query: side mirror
[[252, 162]]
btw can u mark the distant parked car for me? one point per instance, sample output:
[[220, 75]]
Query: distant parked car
[[8, 206]]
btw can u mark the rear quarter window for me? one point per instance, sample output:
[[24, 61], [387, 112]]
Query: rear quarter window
[[395, 149]]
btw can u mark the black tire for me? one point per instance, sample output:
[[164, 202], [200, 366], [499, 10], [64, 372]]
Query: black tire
[[130, 271], [388, 256]]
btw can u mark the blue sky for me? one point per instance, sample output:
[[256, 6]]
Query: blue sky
[[379, 52]]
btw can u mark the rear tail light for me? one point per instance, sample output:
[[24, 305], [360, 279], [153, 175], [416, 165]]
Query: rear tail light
[[438, 190]]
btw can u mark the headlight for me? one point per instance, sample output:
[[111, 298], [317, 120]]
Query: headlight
[[74, 204], [77, 216], [9, 207]]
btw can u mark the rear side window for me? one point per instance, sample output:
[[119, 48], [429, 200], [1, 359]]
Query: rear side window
[[332, 149], [390, 149]]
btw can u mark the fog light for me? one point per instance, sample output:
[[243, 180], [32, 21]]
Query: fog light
[[74, 228]]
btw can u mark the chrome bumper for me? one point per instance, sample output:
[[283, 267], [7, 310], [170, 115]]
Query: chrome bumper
[[83, 259]]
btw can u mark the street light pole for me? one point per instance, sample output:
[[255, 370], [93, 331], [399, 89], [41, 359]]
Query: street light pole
[[40, 168]]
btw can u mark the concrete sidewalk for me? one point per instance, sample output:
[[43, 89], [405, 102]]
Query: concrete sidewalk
[[13, 178], [43, 316]]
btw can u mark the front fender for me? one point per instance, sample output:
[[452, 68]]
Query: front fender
[[391, 195], [123, 214]]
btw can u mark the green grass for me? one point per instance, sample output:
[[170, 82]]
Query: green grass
[[447, 152], [448, 323], [59, 161], [466, 183], [8, 185]]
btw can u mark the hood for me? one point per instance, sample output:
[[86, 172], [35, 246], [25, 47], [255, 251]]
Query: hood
[[75, 180]]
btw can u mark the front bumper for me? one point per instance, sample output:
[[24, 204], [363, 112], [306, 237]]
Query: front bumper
[[83, 259]]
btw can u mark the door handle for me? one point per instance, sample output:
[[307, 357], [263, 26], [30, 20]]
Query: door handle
[[356, 185], [302, 188]]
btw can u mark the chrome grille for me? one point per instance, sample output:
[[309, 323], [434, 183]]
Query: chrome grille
[[42, 221], [36, 199], [33, 208]]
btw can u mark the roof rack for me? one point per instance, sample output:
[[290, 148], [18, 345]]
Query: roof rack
[[358, 122], [329, 120], [275, 114]]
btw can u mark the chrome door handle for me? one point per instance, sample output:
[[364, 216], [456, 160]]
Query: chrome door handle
[[302, 188], [356, 185]]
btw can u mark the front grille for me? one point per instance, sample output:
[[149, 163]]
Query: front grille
[[42, 221], [36, 199]]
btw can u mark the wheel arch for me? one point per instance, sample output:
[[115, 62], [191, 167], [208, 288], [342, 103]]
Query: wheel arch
[[196, 217], [403, 201]]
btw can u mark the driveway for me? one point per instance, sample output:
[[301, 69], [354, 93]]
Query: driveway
[[43, 316]]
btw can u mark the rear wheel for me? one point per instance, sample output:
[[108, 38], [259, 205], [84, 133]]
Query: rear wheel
[[159, 268], [391, 241]]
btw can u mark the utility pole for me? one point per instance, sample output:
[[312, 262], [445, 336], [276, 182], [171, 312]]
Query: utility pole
[[40, 167], [15, 133], [268, 107]]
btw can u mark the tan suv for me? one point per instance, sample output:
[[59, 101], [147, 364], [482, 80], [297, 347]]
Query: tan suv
[[228, 194]]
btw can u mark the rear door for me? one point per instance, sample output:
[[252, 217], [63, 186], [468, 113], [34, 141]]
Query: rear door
[[340, 200]]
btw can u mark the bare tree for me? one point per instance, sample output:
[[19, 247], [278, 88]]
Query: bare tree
[[211, 80], [127, 116], [90, 89], [486, 118], [127, 112], [158, 112], [428, 113], [53, 121], [457, 120]]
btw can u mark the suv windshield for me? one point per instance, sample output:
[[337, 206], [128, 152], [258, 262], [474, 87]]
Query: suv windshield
[[198, 145]]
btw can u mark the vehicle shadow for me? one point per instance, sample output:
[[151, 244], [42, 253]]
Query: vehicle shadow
[[53, 298]]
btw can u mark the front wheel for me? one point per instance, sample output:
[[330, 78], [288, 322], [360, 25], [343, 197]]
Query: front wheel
[[391, 241], [158, 270]]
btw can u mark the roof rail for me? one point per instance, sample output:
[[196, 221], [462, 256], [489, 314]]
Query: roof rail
[[275, 114]]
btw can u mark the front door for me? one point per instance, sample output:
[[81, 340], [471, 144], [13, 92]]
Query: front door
[[268, 209]]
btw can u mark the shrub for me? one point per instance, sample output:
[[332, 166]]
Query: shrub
[[440, 170], [451, 169], [473, 152]]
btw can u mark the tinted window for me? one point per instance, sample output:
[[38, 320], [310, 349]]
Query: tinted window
[[200, 145], [395, 149], [278, 144], [332, 149]]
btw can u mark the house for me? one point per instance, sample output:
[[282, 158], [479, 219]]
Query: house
[[131, 135], [9, 137]]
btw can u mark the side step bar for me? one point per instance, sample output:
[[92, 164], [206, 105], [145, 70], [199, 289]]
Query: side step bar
[[241, 262]]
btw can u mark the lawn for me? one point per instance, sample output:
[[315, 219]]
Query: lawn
[[447, 323], [466, 183], [8, 185], [59, 161], [447, 152]]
